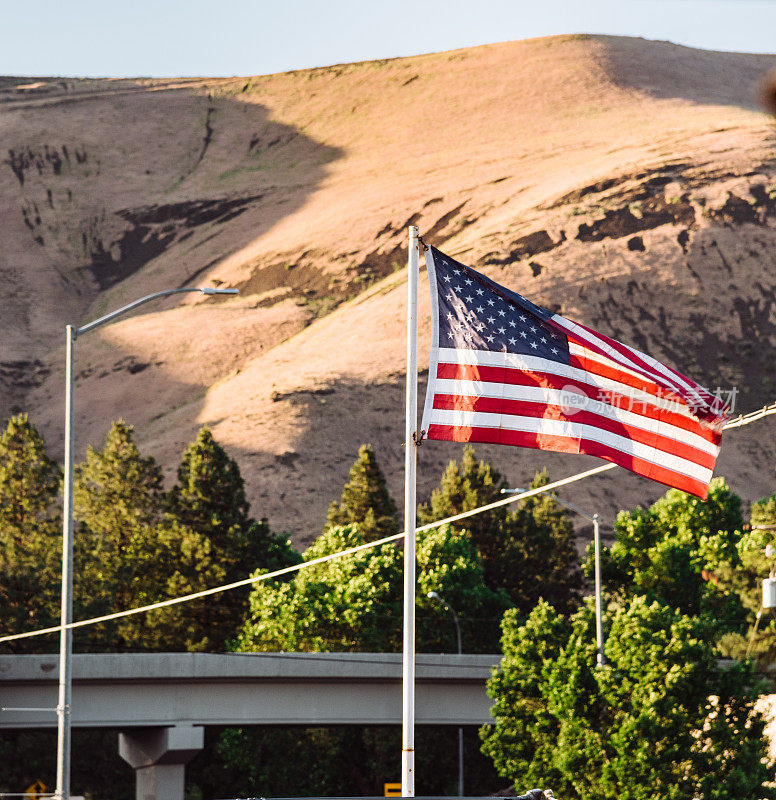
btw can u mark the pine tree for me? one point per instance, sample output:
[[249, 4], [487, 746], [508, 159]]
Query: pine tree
[[120, 558], [365, 500], [30, 528], [210, 508], [529, 553]]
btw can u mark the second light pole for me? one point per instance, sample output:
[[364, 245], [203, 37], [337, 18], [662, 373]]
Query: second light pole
[[599, 627], [448, 607]]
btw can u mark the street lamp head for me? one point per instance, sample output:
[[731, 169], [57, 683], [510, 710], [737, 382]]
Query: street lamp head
[[211, 290], [434, 596], [512, 491]]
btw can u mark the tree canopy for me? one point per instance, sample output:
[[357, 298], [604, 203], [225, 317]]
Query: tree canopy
[[529, 552], [662, 719], [365, 500]]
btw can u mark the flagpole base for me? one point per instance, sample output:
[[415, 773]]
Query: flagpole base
[[408, 773]]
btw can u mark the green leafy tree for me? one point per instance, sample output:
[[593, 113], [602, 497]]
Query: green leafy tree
[[529, 553], [30, 534], [451, 566], [739, 574], [354, 604], [669, 552], [346, 604], [662, 719], [365, 500]]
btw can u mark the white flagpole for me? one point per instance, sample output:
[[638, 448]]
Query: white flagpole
[[410, 459]]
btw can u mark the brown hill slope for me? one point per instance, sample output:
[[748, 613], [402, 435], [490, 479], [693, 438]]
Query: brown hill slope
[[629, 183]]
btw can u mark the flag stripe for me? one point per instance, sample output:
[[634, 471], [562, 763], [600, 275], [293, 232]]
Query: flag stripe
[[490, 381], [534, 370], [563, 444], [571, 429], [614, 350], [538, 402]]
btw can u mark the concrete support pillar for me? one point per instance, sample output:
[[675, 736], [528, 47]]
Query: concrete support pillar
[[159, 757]]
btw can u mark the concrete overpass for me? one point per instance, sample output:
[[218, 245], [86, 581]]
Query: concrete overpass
[[161, 701]]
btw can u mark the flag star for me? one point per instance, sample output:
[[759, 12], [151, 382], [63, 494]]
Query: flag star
[[522, 318], [512, 323], [448, 278], [533, 330], [513, 341], [480, 291], [555, 350], [451, 335], [468, 281], [534, 345], [451, 297], [543, 340], [457, 288], [480, 327], [469, 299], [457, 271], [523, 334], [501, 312], [502, 330], [491, 302], [490, 338], [491, 319], [480, 309]]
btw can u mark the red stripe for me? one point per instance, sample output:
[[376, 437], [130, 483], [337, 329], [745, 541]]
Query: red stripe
[[690, 394], [518, 377], [628, 355], [525, 408], [565, 444]]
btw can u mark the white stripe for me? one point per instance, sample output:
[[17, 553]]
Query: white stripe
[[489, 358], [573, 430], [656, 369], [556, 397], [581, 351]]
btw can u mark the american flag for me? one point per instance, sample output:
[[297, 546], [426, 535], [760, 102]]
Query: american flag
[[506, 371]]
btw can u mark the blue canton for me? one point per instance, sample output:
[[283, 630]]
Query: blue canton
[[477, 314]]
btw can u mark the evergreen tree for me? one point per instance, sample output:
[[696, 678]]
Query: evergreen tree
[[663, 719], [214, 526], [529, 553], [30, 534], [365, 500], [120, 556]]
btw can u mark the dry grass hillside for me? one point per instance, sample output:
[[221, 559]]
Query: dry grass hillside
[[631, 184]]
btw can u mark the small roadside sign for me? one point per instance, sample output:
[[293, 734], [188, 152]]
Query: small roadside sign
[[35, 790], [392, 790]]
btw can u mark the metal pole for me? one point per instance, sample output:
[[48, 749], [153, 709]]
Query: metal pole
[[66, 634], [599, 627], [410, 459]]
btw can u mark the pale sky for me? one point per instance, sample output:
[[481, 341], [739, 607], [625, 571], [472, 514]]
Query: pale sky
[[238, 37]]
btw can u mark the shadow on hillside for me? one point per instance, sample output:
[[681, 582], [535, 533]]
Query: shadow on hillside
[[229, 175], [666, 71]]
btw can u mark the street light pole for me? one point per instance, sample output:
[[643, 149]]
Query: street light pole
[[64, 702], [435, 596], [599, 627]]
